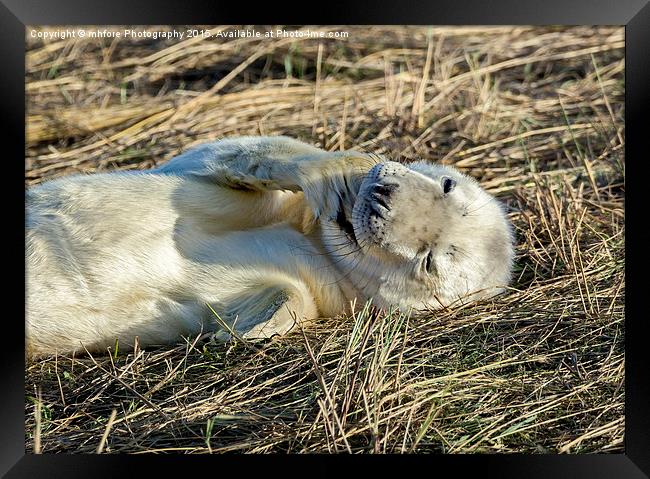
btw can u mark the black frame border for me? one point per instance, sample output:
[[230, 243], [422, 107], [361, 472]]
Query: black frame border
[[15, 15]]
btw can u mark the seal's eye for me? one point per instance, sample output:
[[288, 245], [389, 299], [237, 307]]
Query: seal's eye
[[429, 266], [448, 184]]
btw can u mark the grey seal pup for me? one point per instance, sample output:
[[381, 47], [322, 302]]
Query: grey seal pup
[[249, 236]]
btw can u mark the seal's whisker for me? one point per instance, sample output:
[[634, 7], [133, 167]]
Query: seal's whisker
[[469, 212], [471, 259], [371, 277], [354, 261]]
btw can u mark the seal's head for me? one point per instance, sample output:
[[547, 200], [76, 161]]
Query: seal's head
[[420, 236]]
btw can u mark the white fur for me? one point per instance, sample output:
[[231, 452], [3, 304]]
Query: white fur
[[247, 227]]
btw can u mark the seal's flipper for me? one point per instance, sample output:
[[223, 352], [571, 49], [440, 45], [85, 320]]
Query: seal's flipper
[[276, 163], [266, 312]]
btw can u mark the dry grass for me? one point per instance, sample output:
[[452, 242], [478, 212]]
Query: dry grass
[[536, 114]]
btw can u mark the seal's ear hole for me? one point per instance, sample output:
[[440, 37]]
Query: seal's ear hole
[[448, 184]]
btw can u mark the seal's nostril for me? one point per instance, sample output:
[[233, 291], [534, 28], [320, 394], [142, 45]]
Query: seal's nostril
[[380, 194], [448, 184], [381, 200], [376, 212], [384, 189]]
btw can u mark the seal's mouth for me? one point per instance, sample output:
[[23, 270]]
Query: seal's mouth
[[344, 223]]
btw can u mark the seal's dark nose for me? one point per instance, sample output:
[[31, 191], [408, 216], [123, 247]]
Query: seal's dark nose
[[381, 192]]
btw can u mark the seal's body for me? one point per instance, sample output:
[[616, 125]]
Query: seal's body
[[248, 236]]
